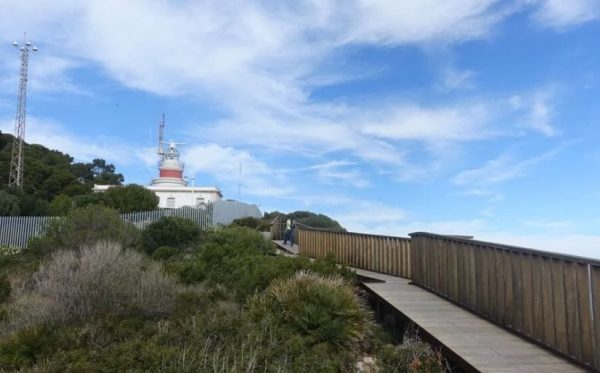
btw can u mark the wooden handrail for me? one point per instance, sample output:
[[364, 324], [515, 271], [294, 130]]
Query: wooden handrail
[[519, 249], [384, 254], [552, 299]]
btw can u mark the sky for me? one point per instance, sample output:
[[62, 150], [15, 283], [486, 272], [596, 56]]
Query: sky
[[471, 117]]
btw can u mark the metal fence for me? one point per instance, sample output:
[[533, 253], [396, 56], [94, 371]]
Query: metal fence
[[202, 216], [15, 231]]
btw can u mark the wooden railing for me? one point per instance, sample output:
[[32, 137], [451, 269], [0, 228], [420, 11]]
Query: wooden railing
[[277, 229], [383, 254], [550, 298]]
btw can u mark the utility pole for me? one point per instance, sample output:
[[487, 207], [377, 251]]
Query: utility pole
[[15, 179]]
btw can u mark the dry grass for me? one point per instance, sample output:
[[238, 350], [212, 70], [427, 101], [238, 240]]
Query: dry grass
[[97, 280]]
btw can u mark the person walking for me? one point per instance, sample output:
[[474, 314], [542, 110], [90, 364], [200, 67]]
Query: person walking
[[288, 231]]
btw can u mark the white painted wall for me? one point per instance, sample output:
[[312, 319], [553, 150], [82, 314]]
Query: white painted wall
[[175, 197], [179, 196]]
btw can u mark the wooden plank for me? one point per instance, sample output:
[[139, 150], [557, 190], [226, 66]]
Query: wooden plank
[[492, 266], [528, 295], [560, 317], [517, 286], [595, 281], [547, 302], [472, 279], [479, 275], [406, 247], [572, 310], [538, 299], [585, 313], [500, 283]]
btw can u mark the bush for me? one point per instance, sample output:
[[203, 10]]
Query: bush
[[313, 315], [5, 288], [164, 253], [9, 204], [61, 205], [260, 225], [98, 280], [131, 198], [84, 227], [412, 355], [170, 231]]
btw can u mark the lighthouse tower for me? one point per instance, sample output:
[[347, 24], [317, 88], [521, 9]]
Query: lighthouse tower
[[170, 168]]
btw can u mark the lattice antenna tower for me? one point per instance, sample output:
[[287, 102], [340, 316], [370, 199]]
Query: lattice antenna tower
[[15, 179]]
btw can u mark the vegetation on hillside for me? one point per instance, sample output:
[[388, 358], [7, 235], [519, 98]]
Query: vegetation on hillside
[[89, 298], [48, 174], [308, 218]]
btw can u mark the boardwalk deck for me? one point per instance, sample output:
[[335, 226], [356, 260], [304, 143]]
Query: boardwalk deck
[[481, 344]]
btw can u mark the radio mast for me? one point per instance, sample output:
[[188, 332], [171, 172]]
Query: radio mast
[[15, 179]]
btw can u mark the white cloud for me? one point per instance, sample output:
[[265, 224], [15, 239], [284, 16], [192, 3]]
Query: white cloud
[[338, 173], [389, 21], [409, 122], [501, 169], [538, 111], [457, 79], [564, 13], [54, 136], [223, 163]]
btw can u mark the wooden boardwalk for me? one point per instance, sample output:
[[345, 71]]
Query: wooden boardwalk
[[479, 343]]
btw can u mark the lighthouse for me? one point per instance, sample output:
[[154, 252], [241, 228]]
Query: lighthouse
[[171, 185], [170, 168]]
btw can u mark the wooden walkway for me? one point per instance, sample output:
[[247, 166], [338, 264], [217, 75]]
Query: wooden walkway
[[481, 344]]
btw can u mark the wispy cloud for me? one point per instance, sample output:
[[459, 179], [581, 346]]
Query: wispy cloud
[[561, 14], [537, 111], [505, 167], [54, 136], [230, 166]]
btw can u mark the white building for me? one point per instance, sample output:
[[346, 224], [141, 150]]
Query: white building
[[171, 187]]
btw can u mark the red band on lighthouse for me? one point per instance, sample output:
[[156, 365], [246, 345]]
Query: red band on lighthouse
[[171, 173]]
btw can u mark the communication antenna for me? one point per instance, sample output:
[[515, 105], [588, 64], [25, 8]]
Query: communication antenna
[[161, 134], [15, 178]]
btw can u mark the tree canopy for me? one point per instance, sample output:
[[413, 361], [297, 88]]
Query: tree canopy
[[307, 218], [50, 173]]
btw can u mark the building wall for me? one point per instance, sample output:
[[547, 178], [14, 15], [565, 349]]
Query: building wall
[[179, 198]]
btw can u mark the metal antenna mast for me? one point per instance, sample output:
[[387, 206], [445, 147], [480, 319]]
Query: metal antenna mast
[[15, 179], [161, 134]]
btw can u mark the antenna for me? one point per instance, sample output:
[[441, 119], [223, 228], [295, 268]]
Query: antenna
[[15, 178], [161, 134]]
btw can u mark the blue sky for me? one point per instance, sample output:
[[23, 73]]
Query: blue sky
[[472, 117]]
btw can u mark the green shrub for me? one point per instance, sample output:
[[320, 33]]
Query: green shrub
[[99, 280], [311, 315], [260, 225], [233, 241], [131, 198], [84, 227], [26, 347], [5, 251], [5, 288], [412, 355], [9, 204], [61, 205], [164, 253], [171, 231]]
